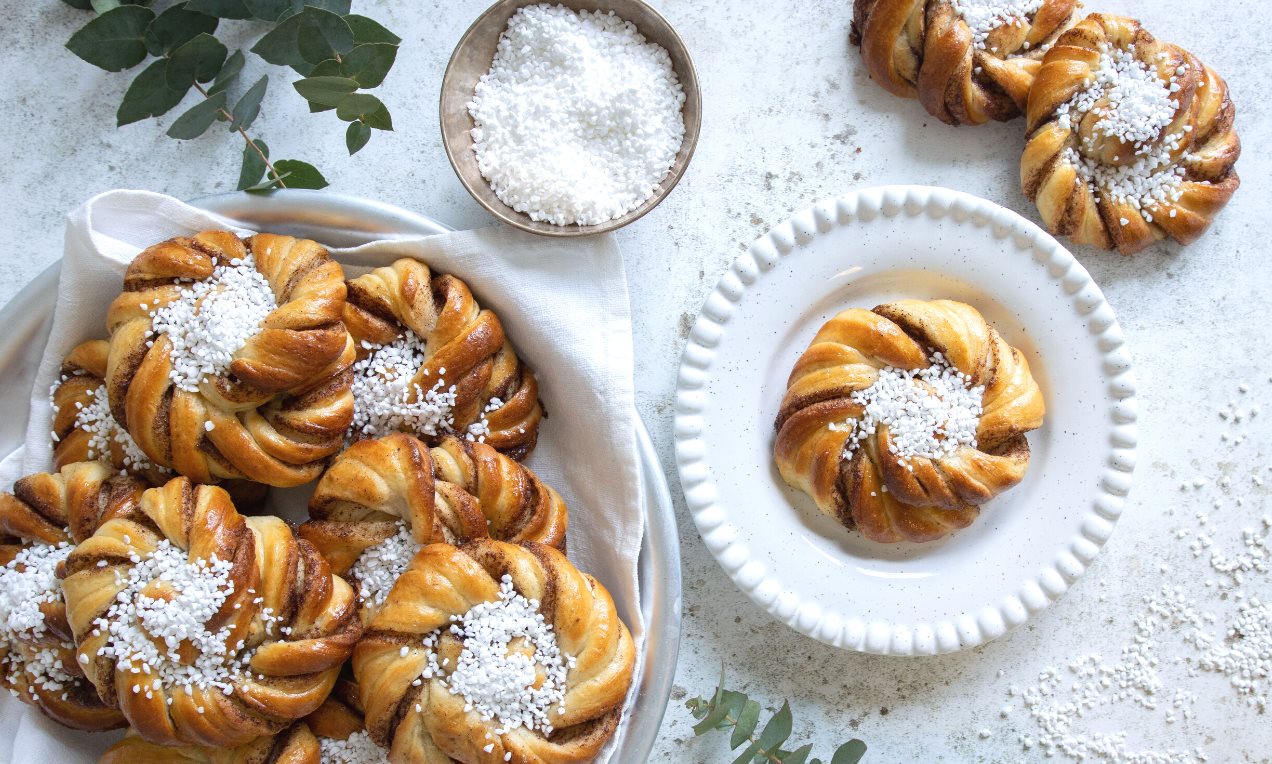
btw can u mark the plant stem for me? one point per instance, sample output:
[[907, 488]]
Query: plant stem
[[230, 118]]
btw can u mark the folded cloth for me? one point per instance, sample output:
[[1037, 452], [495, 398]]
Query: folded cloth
[[563, 303]]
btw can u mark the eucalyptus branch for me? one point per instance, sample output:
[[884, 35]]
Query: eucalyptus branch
[[228, 117], [338, 54], [729, 709]]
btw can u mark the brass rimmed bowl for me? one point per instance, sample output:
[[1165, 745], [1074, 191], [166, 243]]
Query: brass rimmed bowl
[[473, 57]]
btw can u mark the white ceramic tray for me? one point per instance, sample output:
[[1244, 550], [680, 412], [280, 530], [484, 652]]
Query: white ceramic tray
[[1029, 545], [338, 220]]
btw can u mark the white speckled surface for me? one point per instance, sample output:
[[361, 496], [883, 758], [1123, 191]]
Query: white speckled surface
[[790, 118]]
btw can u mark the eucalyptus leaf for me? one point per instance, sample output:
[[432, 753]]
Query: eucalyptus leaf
[[149, 95], [747, 718], [199, 59], [748, 753], [249, 105], [356, 137], [367, 30], [229, 72], [105, 6], [799, 755], [369, 63], [322, 35], [175, 27], [115, 40], [365, 107], [280, 46], [198, 119], [300, 174], [83, 5], [268, 10], [777, 729], [222, 9], [335, 6], [314, 108], [253, 165], [328, 91], [849, 753]]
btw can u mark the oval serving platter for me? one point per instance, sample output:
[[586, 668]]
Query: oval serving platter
[[1029, 545], [345, 221]]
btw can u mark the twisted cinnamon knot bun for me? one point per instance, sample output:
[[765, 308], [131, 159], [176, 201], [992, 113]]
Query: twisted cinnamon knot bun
[[39, 521], [492, 652], [204, 627], [1131, 140], [432, 362], [902, 420], [382, 499], [228, 358], [294, 745], [967, 61]]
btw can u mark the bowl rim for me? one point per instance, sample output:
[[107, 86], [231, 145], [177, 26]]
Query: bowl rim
[[520, 220]]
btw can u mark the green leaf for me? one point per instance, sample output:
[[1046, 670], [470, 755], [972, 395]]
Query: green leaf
[[300, 174], [149, 95], [369, 63], [748, 717], [197, 120], [849, 753], [105, 6], [367, 30], [113, 41], [222, 9], [748, 754], [713, 718], [356, 137], [328, 91], [322, 35], [268, 10], [229, 72], [777, 729], [249, 106], [268, 184], [83, 5], [175, 27], [279, 46], [199, 59], [253, 165], [335, 6], [367, 108], [799, 755]]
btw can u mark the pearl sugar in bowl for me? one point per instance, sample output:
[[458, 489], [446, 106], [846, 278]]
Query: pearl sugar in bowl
[[578, 122]]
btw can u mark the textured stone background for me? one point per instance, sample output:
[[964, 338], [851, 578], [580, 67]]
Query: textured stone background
[[790, 118]]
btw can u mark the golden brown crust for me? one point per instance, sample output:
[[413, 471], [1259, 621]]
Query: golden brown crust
[[52, 508], [453, 493], [284, 405], [294, 660], [461, 337], [443, 581], [874, 490], [925, 49], [1206, 143], [294, 745]]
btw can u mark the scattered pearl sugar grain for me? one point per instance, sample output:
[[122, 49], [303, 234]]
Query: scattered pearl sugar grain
[[378, 568], [359, 748], [984, 16], [27, 582], [212, 319], [517, 689], [579, 118], [1217, 620]]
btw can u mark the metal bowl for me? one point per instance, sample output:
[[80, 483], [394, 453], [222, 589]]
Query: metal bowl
[[472, 58]]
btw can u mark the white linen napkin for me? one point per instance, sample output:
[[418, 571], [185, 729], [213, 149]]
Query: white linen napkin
[[564, 305]]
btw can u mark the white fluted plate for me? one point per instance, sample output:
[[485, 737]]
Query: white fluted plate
[[1029, 545]]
